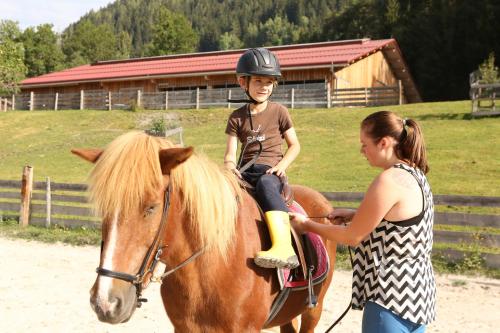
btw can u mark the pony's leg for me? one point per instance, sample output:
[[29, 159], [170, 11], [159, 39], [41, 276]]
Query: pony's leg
[[290, 327], [310, 318]]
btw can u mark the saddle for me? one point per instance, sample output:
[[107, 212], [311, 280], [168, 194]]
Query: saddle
[[313, 269]]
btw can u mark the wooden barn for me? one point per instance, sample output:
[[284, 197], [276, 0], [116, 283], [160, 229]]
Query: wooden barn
[[350, 70]]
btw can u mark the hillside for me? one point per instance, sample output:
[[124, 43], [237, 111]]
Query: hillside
[[463, 152]]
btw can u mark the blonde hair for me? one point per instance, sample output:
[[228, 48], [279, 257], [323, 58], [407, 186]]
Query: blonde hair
[[129, 170]]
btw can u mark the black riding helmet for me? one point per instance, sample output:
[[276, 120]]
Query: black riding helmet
[[256, 62], [259, 62]]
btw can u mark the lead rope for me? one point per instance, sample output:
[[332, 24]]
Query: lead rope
[[352, 264]]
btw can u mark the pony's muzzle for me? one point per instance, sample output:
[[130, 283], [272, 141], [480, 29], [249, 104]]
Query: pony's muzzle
[[114, 307]]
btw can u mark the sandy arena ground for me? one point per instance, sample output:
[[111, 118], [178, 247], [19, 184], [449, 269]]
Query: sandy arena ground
[[44, 288]]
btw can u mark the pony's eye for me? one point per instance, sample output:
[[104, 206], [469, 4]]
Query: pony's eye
[[150, 210]]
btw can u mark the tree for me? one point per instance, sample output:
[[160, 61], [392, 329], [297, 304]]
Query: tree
[[229, 41], [278, 31], [12, 69], [89, 43], [172, 33], [488, 70], [42, 53]]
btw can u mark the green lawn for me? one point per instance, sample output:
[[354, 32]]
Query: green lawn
[[464, 153]]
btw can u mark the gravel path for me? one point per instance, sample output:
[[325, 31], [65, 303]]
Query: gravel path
[[44, 288]]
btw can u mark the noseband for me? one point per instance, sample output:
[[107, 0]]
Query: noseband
[[156, 247]]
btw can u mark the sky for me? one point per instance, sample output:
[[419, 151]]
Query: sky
[[60, 13]]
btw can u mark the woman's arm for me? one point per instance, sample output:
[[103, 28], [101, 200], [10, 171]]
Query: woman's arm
[[230, 154], [291, 153], [381, 196]]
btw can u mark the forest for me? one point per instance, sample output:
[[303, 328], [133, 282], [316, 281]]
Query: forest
[[443, 41]]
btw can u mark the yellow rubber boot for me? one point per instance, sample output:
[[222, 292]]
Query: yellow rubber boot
[[281, 253]]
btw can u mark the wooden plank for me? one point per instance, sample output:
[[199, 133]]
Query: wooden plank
[[10, 195], [344, 196], [470, 200], [453, 200], [10, 183], [10, 206], [441, 236], [491, 260], [63, 210], [69, 187], [466, 219], [68, 223], [58, 197]]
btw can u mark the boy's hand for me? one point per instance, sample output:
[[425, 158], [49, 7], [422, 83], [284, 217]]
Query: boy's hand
[[237, 173], [277, 170]]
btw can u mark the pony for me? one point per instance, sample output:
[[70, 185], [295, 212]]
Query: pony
[[162, 202]]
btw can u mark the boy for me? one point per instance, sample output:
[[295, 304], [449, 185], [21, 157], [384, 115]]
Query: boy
[[267, 123]]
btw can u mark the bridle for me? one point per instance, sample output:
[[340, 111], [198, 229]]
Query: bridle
[[145, 269]]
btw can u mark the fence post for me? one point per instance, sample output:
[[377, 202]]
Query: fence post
[[139, 102], [109, 100], [366, 96], [293, 99], [328, 94], [197, 98], [56, 101], [1, 104], [32, 100], [13, 102], [48, 200], [229, 97], [82, 98], [26, 189], [166, 100], [400, 90]]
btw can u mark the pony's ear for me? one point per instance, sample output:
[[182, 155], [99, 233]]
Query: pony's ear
[[172, 157], [91, 155]]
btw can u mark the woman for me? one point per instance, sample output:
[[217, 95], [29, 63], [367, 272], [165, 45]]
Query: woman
[[391, 231]]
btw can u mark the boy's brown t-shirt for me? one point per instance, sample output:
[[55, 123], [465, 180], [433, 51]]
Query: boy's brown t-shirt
[[269, 127]]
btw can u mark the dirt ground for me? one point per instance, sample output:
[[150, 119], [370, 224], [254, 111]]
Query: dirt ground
[[45, 288]]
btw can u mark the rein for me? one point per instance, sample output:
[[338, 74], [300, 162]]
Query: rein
[[156, 247], [350, 303]]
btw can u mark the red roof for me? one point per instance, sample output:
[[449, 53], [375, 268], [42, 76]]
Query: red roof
[[291, 56]]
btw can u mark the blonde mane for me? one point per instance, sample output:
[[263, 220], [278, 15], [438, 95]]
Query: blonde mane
[[129, 170]]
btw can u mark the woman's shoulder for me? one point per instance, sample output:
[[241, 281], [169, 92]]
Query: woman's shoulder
[[398, 176]]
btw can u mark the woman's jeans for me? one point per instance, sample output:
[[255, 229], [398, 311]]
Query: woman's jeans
[[377, 319]]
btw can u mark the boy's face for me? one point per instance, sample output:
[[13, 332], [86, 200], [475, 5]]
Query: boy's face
[[259, 87]]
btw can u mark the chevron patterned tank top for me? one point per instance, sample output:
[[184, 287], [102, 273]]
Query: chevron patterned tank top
[[392, 266]]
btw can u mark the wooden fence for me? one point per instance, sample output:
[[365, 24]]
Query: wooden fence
[[453, 219], [293, 96], [66, 205], [485, 99]]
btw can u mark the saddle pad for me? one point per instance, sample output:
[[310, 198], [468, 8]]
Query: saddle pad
[[320, 252]]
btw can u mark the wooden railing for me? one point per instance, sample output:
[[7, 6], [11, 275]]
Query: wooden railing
[[301, 96], [66, 205], [483, 239]]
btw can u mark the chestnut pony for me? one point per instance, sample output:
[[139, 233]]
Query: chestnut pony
[[159, 200]]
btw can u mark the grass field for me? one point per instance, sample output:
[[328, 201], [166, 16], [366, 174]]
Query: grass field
[[464, 153]]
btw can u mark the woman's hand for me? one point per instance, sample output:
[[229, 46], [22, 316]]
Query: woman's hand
[[298, 222], [341, 215]]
